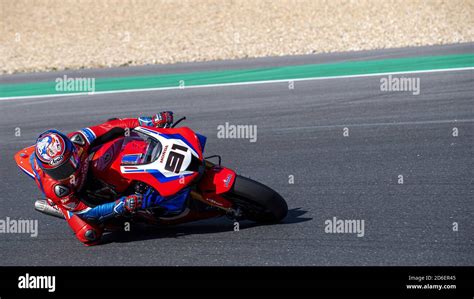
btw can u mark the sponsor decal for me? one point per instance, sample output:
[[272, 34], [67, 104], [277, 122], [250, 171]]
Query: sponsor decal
[[227, 180], [61, 190], [214, 202], [163, 154], [78, 139], [56, 160]]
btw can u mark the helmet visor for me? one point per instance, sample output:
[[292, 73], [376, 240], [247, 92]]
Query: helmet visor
[[65, 170]]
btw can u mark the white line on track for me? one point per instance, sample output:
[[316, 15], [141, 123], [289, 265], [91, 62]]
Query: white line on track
[[405, 123], [234, 84]]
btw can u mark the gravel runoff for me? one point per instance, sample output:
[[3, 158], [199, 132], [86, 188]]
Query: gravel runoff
[[63, 34]]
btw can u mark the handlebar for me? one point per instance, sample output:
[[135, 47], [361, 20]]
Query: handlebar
[[178, 121]]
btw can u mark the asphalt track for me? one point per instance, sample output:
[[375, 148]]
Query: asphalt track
[[300, 133]]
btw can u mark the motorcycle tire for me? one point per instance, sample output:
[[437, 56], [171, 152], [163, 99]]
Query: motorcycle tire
[[257, 202]]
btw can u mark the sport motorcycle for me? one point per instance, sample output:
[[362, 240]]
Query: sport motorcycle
[[169, 160]]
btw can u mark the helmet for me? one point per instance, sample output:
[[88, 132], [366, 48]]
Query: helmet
[[56, 155]]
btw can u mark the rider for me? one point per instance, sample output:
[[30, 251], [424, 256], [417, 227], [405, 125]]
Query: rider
[[61, 165]]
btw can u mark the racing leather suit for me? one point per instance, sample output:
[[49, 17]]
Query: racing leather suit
[[85, 219]]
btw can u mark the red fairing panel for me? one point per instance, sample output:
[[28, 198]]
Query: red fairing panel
[[218, 178], [106, 165]]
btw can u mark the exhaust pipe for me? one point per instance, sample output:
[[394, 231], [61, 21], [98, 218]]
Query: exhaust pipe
[[42, 206]]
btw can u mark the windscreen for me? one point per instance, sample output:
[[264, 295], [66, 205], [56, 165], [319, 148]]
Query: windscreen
[[146, 149]]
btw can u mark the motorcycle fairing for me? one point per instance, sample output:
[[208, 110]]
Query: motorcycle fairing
[[217, 180], [22, 159], [168, 170], [105, 163]]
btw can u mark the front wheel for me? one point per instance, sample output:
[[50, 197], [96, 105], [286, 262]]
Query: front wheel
[[257, 202]]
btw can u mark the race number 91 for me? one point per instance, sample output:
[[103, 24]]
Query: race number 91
[[175, 159]]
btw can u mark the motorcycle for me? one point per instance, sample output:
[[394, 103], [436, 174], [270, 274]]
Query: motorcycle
[[169, 160]]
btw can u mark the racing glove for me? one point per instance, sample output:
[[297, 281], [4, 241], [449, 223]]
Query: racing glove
[[132, 203], [163, 119], [160, 120], [127, 205]]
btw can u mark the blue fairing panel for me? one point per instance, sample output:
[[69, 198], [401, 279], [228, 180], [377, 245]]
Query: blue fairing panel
[[173, 204], [202, 141]]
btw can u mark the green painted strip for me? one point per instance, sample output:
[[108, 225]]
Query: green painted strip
[[251, 75]]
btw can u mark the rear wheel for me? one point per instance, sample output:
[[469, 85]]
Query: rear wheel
[[257, 202]]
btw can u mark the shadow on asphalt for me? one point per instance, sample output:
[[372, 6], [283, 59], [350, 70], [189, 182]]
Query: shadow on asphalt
[[209, 226]]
